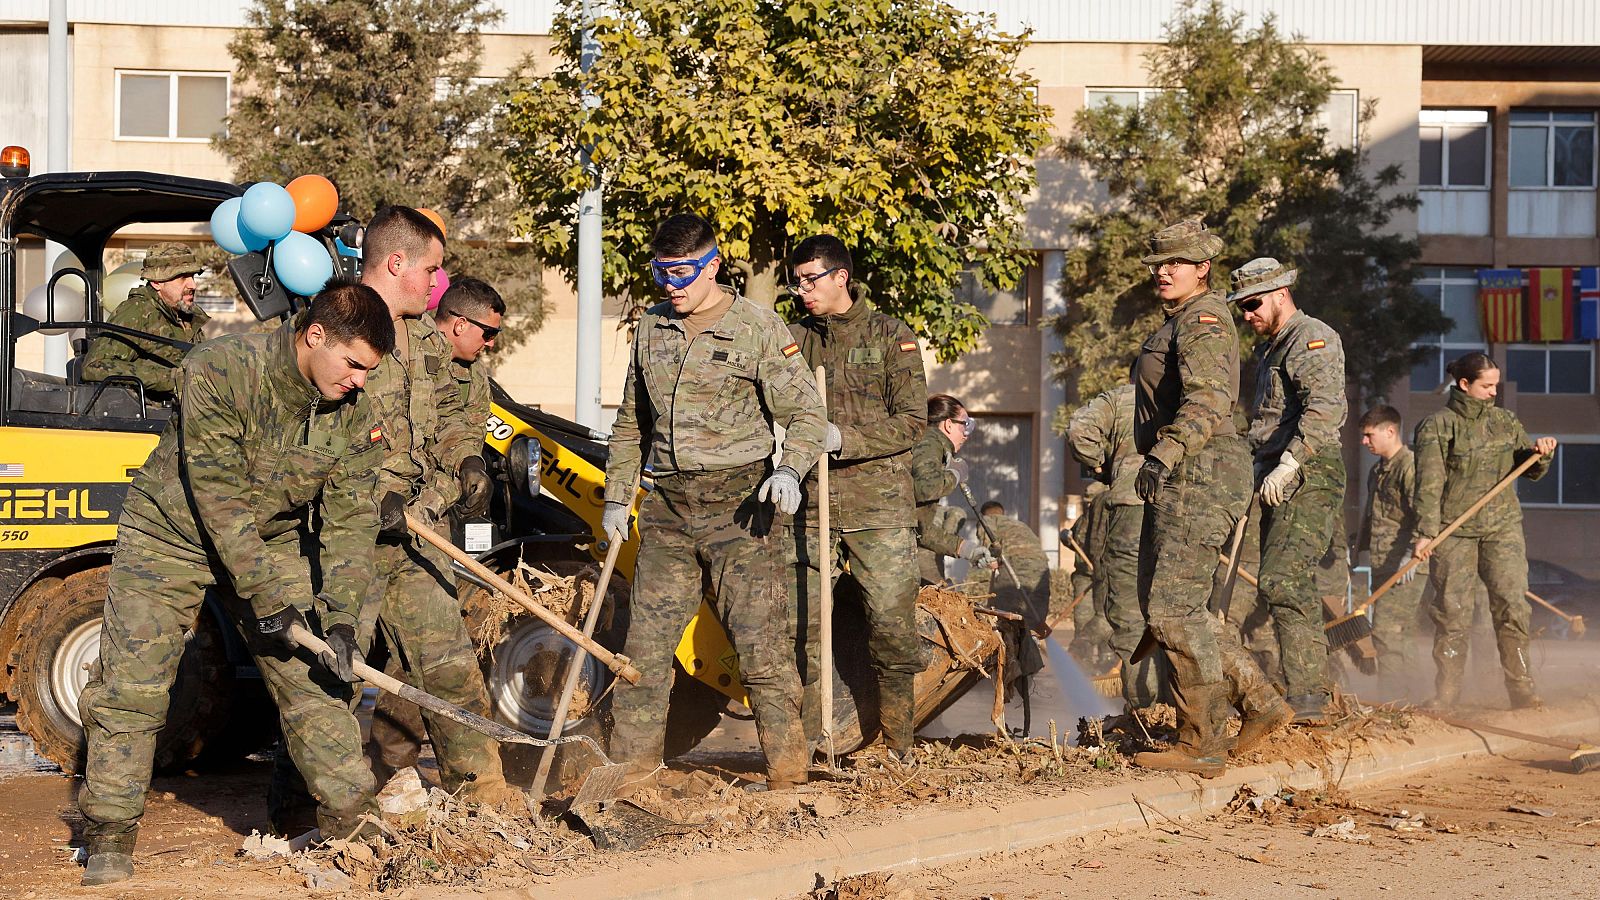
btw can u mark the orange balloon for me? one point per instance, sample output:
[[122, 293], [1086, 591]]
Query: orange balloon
[[315, 202], [435, 218]]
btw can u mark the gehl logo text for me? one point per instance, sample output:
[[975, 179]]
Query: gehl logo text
[[62, 504]]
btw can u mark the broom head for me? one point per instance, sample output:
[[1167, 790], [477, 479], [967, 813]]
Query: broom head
[[1585, 759]]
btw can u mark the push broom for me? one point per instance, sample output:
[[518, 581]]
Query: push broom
[[1584, 758]]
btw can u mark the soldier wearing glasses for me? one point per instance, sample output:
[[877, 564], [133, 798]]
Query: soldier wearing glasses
[[877, 394], [711, 374], [936, 470]]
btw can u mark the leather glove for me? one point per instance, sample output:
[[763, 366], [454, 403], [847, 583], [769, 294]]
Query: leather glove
[[782, 487], [342, 652], [275, 628], [835, 439], [473, 477], [959, 468], [614, 521], [976, 553], [1278, 486], [392, 515], [1406, 561], [1150, 478]]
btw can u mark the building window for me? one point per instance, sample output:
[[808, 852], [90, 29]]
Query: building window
[[1454, 148], [1456, 292], [1008, 307], [171, 106], [1552, 149], [1573, 478], [1340, 115], [1539, 369]]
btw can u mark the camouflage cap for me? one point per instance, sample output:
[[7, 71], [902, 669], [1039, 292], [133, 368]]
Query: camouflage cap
[[167, 261], [1259, 276], [1188, 240]]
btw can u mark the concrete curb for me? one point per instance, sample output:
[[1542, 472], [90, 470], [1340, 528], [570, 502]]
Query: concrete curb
[[941, 836]]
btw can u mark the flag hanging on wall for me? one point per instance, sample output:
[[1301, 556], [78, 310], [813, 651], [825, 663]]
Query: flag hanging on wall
[[1549, 305], [1586, 324], [1500, 304]]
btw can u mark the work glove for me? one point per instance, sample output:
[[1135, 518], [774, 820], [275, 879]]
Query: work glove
[[1406, 561], [782, 487], [1278, 486], [392, 515], [614, 521], [274, 629], [342, 652], [1150, 478], [959, 468], [835, 439], [978, 554], [475, 487]]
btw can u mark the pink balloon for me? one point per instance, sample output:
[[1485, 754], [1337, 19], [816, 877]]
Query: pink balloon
[[438, 290]]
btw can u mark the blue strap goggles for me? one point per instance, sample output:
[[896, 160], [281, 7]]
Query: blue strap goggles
[[680, 273]]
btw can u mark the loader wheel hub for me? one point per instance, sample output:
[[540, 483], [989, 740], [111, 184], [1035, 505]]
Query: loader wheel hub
[[528, 673], [69, 671]]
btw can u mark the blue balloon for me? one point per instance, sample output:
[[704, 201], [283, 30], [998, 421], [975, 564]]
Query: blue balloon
[[227, 232], [302, 263], [268, 210]]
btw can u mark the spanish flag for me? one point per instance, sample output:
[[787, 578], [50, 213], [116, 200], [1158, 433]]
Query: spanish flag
[[1549, 304], [1500, 304]]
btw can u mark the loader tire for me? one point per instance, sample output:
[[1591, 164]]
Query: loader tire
[[63, 640]]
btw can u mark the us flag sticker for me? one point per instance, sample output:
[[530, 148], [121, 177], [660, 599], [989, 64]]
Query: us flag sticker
[[1207, 319], [376, 433], [791, 350], [907, 346], [1316, 345]]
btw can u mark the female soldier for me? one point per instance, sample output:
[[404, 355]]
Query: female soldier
[[1461, 451]]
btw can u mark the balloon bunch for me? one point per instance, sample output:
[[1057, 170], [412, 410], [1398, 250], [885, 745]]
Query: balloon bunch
[[285, 218]]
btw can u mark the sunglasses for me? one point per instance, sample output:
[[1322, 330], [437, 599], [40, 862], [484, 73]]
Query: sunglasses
[[1251, 304], [489, 333], [680, 273]]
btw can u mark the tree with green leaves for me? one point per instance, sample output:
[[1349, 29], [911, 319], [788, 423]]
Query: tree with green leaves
[[905, 127], [385, 98], [1235, 136]]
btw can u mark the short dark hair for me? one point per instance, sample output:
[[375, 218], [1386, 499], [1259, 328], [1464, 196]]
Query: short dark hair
[[1469, 366], [348, 311], [398, 229], [470, 297], [1381, 415], [993, 506], [682, 236], [824, 248], [943, 406]]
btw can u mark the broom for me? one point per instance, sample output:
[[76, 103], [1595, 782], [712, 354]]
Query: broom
[[1584, 758], [1363, 653], [1574, 623], [1350, 628]]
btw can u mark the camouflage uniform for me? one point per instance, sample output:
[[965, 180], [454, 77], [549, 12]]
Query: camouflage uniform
[[1299, 408], [1100, 434], [1461, 451], [1388, 531], [222, 501], [704, 408], [154, 364], [938, 525], [878, 399], [1091, 632], [1019, 546]]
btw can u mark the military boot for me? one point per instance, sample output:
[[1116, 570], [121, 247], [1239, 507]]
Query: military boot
[[107, 867], [1519, 681], [1447, 686], [1258, 723], [1201, 744], [1309, 709], [897, 704]]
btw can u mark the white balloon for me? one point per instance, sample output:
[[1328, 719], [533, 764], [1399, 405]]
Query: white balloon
[[67, 260], [118, 283], [69, 304]]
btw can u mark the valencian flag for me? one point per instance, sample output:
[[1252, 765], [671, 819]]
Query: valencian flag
[[1500, 304], [1549, 305], [1586, 324]]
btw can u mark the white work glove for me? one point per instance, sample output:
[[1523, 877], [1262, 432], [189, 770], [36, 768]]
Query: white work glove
[[783, 489], [976, 553], [835, 439], [1406, 561], [614, 521], [1277, 487]]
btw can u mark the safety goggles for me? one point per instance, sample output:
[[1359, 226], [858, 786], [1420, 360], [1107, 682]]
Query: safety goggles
[[1170, 265], [968, 425], [680, 273]]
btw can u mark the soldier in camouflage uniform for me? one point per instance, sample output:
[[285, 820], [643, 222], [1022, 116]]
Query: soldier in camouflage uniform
[[1195, 483], [1029, 599], [877, 400], [272, 426], [936, 472], [469, 316], [1462, 451], [1298, 412], [1091, 632], [1100, 435], [1388, 529], [710, 376], [163, 306]]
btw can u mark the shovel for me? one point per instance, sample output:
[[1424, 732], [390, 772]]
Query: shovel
[[601, 784]]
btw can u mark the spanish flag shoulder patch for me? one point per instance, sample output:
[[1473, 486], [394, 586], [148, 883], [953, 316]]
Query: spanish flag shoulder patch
[[790, 350], [376, 434], [1316, 345], [1206, 319], [908, 346]]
